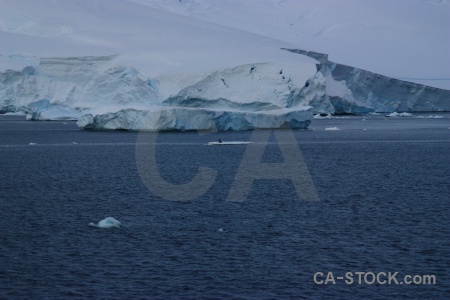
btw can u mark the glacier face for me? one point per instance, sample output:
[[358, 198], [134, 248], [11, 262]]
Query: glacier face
[[188, 55], [353, 90], [367, 92], [253, 87], [102, 93], [116, 96], [78, 82], [265, 95], [188, 119]]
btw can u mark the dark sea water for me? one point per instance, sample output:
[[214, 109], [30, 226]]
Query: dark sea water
[[384, 207]]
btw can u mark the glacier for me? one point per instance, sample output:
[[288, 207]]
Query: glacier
[[219, 67], [78, 82], [354, 90], [265, 95], [103, 93]]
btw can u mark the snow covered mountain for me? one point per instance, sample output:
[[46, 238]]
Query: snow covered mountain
[[135, 64], [403, 39]]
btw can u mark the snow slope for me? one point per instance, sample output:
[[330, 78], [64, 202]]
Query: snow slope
[[404, 39], [153, 41]]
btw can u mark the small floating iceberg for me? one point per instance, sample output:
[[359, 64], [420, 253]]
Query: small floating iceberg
[[430, 117], [109, 222], [19, 113], [228, 143], [332, 128], [43, 110], [396, 114], [322, 116]]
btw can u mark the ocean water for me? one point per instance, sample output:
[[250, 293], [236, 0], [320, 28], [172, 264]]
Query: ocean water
[[383, 186]]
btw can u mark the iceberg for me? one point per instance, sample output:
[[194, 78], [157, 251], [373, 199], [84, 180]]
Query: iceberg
[[39, 106], [18, 113], [264, 96], [108, 222], [43, 110], [231, 143], [189, 119], [321, 116], [396, 114], [60, 112], [430, 117]]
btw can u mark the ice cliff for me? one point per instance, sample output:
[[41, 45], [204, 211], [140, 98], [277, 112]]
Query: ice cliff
[[266, 95], [78, 82], [115, 96], [102, 93], [188, 119], [353, 90]]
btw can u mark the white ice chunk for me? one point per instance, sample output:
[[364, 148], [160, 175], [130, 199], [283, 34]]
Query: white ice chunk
[[228, 143], [430, 117], [318, 117], [43, 110], [60, 112], [396, 114], [19, 113], [108, 222]]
